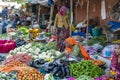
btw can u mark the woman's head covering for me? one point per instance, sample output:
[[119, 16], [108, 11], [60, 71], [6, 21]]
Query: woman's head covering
[[63, 9], [70, 41]]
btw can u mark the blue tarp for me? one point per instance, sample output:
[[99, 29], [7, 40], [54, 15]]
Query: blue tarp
[[114, 25], [79, 34]]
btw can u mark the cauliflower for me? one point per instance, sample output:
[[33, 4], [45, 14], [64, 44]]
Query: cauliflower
[[28, 46], [14, 51], [41, 56], [23, 49], [37, 50], [35, 57], [19, 52], [11, 52], [52, 57], [43, 53], [58, 53], [30, 49]]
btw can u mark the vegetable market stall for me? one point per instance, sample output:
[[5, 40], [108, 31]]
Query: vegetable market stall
[[47, 61], [42, 61]]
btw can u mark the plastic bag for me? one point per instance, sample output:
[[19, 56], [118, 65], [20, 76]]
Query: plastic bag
[[97, 47], [108, 49]]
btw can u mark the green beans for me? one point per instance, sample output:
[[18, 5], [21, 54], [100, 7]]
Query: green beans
[[85, 68]]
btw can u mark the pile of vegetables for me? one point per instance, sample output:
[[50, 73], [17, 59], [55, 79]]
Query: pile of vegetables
[[14, 63], [98, 62], [51, 45], [87, 68], [101, 39], [37, 63], [8, 76], [24, 58], [3, 36], [58, 68], [50, 55], [84, 77], [10, 67], [29, 49], [41, 46], [48, 46], [24, 72], [23, 30], [38, 51], [21, 35], [29, 73]]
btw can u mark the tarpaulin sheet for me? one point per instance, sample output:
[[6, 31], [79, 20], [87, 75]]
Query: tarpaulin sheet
[[41, 2]]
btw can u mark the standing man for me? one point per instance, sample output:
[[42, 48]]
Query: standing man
[[5, 12], [4, 24]]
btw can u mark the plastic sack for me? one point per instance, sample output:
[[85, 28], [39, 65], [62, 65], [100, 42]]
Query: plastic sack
[[108, 49], [90, 50], [97, 47]]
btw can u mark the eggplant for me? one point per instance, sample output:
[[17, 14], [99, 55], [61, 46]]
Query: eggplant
[[41, 61], [60, 74], [31, 64], [55, 70], [55, 64], [67, 71], [51, 66], [37, 64]]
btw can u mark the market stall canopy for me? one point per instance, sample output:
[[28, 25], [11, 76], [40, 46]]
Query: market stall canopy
[[41, 2]]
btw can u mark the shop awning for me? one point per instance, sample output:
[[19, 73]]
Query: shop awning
[[41, 2]]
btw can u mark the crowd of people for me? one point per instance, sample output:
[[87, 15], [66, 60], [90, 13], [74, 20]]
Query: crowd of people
[[10, 18]]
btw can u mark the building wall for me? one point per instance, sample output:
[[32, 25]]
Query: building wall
[[80, 12]]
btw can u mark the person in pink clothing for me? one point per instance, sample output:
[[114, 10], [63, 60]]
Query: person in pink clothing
[[115, 62], [61, 27]]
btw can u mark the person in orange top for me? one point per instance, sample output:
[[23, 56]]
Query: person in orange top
[[61, 27], [75, 49]]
